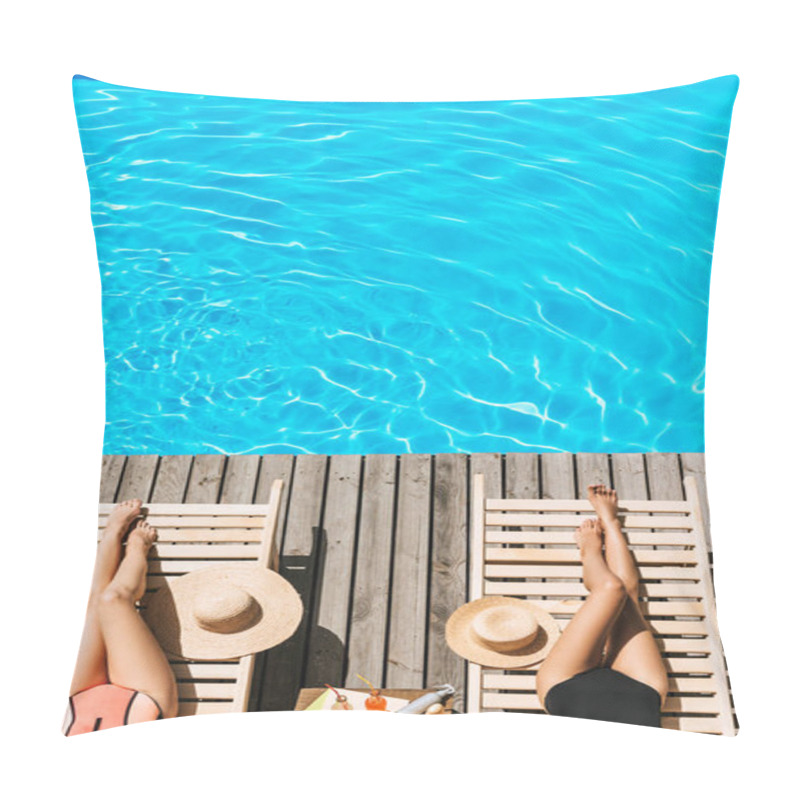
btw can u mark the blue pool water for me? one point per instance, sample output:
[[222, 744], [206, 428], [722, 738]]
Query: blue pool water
[[392, 277]]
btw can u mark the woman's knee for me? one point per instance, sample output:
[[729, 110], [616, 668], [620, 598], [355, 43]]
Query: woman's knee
[[612, 587], [113, 597]]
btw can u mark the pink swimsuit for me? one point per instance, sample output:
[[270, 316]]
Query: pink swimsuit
[[108, 706]]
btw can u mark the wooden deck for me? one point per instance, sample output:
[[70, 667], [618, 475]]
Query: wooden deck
[[377, 545]]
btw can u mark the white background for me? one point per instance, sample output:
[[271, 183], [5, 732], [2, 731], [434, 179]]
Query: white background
[[53, 387]]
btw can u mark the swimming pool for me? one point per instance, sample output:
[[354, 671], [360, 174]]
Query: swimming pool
[[284, 276]]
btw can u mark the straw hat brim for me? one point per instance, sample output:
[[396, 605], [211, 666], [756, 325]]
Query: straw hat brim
[[169, 613], [461, 639]]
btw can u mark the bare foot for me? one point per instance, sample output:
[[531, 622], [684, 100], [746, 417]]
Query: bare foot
[[143, 535], [144, 531], [121, 516], [604, 502], [589, 536]]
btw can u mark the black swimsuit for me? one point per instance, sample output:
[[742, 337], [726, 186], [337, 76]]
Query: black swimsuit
[[605, 694]]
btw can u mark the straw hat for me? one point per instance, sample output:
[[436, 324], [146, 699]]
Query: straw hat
[[502, 632], [224, 612]]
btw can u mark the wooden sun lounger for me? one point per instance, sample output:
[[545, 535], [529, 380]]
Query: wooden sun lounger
[[192, 536], [526, 548]]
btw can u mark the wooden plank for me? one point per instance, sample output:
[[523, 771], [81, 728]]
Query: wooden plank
[[409, 601], [664, 476], [694, 724], [192, 708], [171, 479], [283, 670], [566, 536], [485, 474], [521, 477], [554, 504], [629, 476], [694, 465], [563, 555], [537, 570], [650, 608], [499, 519], [535, 589], [726, 705], [326, 641], [201, 670], [202, 690], [530, 702], [110, 474], [199, 509], [180, 567], [217, 521], [510, 681], [276, 467], [205, 478], [558, 477], [368, 621], [239, 484], [448, 581], [591, 468], [205, 550], [186, 536], [137, 478]]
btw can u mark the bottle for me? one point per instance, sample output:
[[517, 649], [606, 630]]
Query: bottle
[[438, 696], [376, 701], [341, 703]]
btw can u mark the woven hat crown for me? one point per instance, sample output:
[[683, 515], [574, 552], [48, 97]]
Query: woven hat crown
[[505, 628], [229, 609]]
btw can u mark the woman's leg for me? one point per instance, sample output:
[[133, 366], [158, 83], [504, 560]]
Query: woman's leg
[[580, 646], [90, 668], [135, 658], [632, 648]]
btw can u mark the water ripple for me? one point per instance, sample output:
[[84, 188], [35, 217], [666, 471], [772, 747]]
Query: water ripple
[[304, 277]]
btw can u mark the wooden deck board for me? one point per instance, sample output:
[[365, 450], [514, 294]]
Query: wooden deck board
[[366, 646], [378, 548], [328, 633], [405, 658]]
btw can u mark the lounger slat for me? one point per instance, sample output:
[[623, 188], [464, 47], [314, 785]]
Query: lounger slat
[[165, 550], [222, 521], [653, 608], [567, 537], [197, 509], [185, 670], [572, 520], [571, 555], [525, 504], [535, 589], [527, 683], [199, 690], [191, 708], [205, 535], [564, 571], [180, 567], [696, 724], [531, 702], [670, 628]]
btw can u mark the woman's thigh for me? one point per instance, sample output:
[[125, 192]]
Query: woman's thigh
[[580, 646], [134, 657], [634, 651]]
